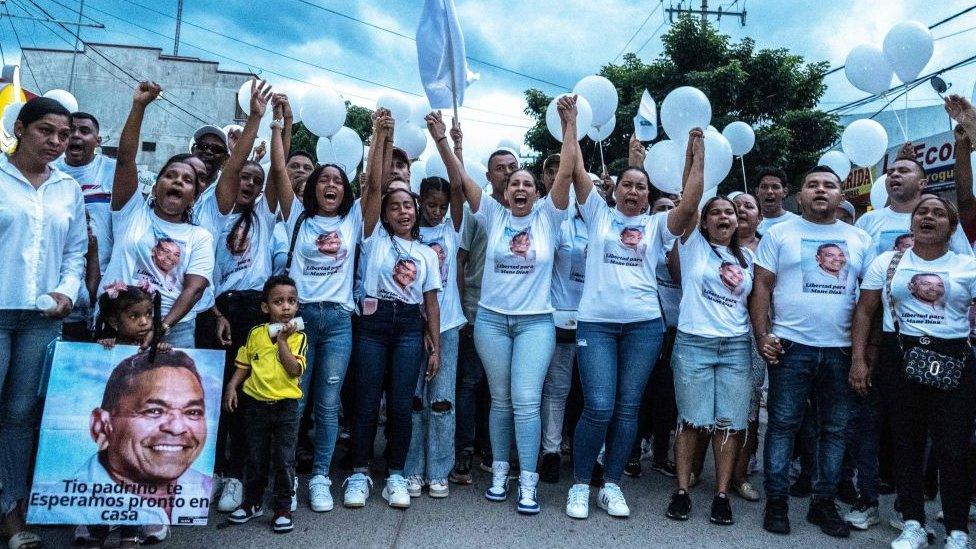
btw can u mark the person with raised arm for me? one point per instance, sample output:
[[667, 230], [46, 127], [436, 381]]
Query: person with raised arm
[[156, 241], [620, 329]]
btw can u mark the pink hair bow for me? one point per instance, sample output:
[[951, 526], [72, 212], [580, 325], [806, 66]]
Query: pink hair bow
[[147, 286], [114, 289]]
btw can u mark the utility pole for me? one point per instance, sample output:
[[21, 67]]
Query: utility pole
[[704, 12], [179, 22], [71, 77]]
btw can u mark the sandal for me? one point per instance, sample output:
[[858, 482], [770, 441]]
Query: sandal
[[24, 540]]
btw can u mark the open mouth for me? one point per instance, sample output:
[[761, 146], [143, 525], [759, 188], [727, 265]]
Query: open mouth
[[404, 221], [174, 193], [330, 195], [76, 146], [723, 225]]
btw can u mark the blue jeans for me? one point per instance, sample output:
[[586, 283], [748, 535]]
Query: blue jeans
[[328, 328], [431, 452], [712, 381], [390, 347], [804, 372], [615, 361], [24, 338], [863, 440], [515, 350], [555, 391], [182, 335], [472, 405]]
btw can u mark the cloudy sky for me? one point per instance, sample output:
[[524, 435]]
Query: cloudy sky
[[552, 42]]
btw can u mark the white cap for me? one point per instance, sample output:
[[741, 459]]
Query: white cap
[[212, 130]]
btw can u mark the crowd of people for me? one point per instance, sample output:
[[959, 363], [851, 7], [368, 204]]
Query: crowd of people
[[504, 327]]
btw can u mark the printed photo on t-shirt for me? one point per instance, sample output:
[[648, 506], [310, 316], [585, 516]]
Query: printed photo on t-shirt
[[824, 266], [624, 245], [404, 273], [326, 255], [164, 256], [514, 252], [234, 254], [577, 267], [898, 240], [928, 297], [439, 248], [722, 282]]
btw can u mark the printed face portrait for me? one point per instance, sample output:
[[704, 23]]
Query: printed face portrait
[[927, 288], [631, 237], [831, 258], [441, 254], [520, 244], [904, 243], [405, 273], [157, 429], [238, 243], [166, 254], [731, 275], [329, 243]]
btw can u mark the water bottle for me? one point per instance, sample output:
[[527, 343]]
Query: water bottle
[[273, 329], [46, 304]]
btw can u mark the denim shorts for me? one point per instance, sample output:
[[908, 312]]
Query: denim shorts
[[712, 382]]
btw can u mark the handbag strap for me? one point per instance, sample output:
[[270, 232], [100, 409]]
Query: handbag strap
[[291, 245], [895, 260]]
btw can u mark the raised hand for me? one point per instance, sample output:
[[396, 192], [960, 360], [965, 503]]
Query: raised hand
[[636, 151], [566, 106], [260, 96], [146, 92], [960, 109], [436, 125], [696, 143], [456, 134]]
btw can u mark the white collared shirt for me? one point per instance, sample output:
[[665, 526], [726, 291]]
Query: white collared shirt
[[43, 234]]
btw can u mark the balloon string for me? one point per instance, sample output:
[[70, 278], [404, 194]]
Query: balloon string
[[745, 185], [894, 111], [602, 162]]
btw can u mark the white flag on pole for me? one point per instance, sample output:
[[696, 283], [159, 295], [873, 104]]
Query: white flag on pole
[[440, 53]]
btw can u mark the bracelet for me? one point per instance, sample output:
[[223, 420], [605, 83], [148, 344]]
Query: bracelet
[[165, 327], [277, 123], [441, 138]]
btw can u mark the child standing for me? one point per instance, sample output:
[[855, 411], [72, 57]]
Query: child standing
[[270, 368]]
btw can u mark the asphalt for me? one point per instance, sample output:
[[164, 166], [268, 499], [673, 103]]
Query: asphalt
[[466, 519]]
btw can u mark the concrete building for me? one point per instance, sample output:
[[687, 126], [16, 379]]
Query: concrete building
[[198, 86]]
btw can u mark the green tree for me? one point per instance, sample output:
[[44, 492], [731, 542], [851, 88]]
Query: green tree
[[772, 89]]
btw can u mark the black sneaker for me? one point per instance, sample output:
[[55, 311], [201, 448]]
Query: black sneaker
[[461, 474], [634, 468], [486, 460], [776, 518], [666, 468], [823, 513], [846, 492], [680, 506], [245, 513], [549, 469], [596, 479], [802, 487], [721, 510], [282, 522]]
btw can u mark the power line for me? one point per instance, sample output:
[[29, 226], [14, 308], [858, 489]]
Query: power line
[[641, 27], [957, 33], [646, 42], [20, 45]]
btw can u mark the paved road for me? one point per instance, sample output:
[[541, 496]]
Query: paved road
[[466, 519]]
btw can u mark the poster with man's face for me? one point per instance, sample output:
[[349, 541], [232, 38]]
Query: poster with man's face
[[125, 439]]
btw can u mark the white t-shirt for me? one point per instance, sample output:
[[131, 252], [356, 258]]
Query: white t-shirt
[[280, 241], [668, 291], [570, 267], [148, 248], [716, 289], [398, 269], [519, 257], [248, 266], [886, 226], [817, 268], [932, 297], [96, 179], [444, 241], [324, 258], [621, 259], [768, 222]]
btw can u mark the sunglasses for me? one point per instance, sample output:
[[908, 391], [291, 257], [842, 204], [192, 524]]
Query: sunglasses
[[215, 150]]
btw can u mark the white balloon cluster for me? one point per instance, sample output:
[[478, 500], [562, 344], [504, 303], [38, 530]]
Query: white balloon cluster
[[906, 49], [344, 148], [64, 97], [411, 128]]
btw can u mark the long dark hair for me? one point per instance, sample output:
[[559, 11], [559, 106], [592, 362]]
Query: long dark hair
[[415, 229], [246, 219], [310, 198], [733, 246], [434, 185]]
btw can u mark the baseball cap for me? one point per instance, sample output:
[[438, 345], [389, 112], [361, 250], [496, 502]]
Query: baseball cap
[[401, 154], [211, 130]]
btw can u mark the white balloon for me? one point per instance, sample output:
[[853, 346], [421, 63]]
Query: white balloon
[[323, 111], [397, 104], [599, 133], [478, 172], [683, 109], [664, 163], [602, 96], [65, 98], [411, 139], [419, 109], [718, 158], [418, 171], [10, 113], [345, 148], [868, 70], [865, 142], [740, 136], [436, 167], [244, 97], [509, 144], [879, 193], [908, 46], [837, 161], [584, 118]]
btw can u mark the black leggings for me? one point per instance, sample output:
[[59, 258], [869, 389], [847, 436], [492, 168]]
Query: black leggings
[[916, 411]]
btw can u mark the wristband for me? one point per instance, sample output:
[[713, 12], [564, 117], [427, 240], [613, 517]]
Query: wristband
[[441, 138], [277, 123]]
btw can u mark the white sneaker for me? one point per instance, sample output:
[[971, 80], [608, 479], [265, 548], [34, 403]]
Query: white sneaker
[[154, 533], [357, 490], [578, 501], [396, 492], [319, 494], [439, 489], [415, 485], [912, 536], [957, 540], [231, 496], [863, 516], [611, 499], [498, 490], [528, 504]]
